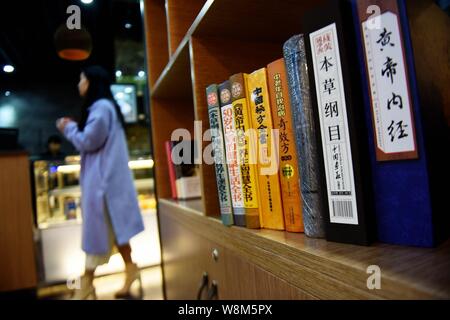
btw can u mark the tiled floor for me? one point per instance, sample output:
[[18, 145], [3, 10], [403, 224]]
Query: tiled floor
[[106, 286]]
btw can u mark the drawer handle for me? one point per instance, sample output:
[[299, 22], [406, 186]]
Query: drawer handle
[[203, 285], [213, 291]]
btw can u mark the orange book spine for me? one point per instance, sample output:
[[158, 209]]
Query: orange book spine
[[287, 152]]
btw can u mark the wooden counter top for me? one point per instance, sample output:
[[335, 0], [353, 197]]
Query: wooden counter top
[[17, 152], [17, 256]]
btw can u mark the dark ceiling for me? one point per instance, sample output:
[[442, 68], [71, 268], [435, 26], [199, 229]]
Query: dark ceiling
[[27, 37]]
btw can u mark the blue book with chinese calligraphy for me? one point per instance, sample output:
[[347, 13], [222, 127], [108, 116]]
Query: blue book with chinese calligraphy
[[340, 126], [406, 162]]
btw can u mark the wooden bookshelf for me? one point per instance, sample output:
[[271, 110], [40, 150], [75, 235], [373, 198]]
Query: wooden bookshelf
[[221, 38], [191, 44], [321, 269]]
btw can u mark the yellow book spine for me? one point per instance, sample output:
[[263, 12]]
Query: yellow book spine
[[248, 170], [267, 151]]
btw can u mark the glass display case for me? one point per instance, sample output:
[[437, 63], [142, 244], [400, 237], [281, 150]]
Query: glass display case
[[58, 193], [58, 218]]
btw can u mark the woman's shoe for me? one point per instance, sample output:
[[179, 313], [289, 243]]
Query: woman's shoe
[[132, 274], [86, 290]]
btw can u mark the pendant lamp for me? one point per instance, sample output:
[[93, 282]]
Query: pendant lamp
[[74, 45]]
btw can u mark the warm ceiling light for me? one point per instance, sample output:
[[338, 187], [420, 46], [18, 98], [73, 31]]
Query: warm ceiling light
[[8, 68], [74, 45]]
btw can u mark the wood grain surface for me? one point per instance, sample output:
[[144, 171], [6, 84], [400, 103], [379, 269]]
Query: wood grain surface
[[17, 262], [156, 38], [180, 16], [322, 269]]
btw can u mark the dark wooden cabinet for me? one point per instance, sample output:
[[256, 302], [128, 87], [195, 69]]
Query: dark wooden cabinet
[[268, 264], [240, 279], [188, 255], [17, 256]]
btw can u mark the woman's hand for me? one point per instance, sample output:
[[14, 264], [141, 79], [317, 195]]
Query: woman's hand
[[62, 122]]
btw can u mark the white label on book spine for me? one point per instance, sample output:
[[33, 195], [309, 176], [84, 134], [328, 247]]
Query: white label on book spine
[[391, 106], [334, 130], [234, 172], [223, 187]]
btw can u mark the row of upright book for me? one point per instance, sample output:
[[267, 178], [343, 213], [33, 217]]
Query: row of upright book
[[330, 140]]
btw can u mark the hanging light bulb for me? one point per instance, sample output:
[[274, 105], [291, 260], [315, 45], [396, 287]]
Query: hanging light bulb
[[74, 45]]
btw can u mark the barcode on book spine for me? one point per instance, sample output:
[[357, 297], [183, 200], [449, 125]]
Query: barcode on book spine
[[342, 209]]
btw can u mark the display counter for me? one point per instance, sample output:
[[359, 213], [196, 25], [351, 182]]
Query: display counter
[[17, 256], [58, 219]]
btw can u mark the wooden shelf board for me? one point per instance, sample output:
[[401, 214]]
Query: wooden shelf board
[[158, 49], [178, 65], [406, 272], [180, 18], [194, 206], [175, 79], [252, 19]]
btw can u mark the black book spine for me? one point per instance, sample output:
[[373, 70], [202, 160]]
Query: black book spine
[[337, 105]]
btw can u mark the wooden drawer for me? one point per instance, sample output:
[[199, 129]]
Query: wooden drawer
[[268, 264], [187, 255]]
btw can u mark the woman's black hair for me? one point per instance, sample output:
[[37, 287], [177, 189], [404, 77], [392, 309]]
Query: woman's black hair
[[99, 88]]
